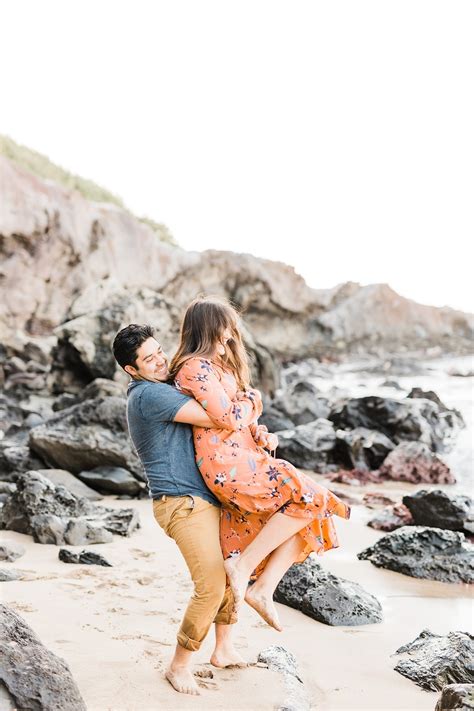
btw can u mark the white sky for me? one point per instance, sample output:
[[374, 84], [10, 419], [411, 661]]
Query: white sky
[[335, 136]]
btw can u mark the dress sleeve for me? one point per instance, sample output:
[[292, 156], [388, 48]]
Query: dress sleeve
[[198, 378]]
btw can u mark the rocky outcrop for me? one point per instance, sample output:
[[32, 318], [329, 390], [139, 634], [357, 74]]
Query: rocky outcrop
[[61, 246], [85, 557], [432, 661], [326, 597], [361, 448], [416, 463], [391, 517], [91, 434], [416, 420], [308, 446], [441, 510], [112, 480], [36, 678], [52, 514], [422, 552]]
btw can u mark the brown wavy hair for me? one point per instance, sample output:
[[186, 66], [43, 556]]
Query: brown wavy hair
[[204, 322]]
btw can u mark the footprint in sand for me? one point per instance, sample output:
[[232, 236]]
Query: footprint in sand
[[139, 553], [23, 607]]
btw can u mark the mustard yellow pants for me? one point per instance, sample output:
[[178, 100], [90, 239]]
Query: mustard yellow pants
[[194, 525]]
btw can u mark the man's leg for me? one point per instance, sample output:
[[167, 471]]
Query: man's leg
[[194, 525], [225, 654]]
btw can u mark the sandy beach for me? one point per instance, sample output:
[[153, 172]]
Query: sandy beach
[[116, 626]]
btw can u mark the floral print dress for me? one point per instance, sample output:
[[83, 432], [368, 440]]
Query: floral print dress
[[251, 484]]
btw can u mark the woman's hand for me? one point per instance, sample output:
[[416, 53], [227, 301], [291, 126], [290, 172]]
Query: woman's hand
[[264, 438]]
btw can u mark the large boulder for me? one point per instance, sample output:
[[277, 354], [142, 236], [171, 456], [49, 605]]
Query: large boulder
[[390, 518], [302, 403], [416, 463], [71, 483], [326, 597], [441, 510], [422, 552], [84, 350], [91, 434], [432, 661], [417, 420], [37, 679], [112, 480], [361, 448], [52, 514], [308, 446]]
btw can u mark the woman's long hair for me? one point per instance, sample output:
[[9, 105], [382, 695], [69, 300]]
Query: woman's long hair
[[203, 325]]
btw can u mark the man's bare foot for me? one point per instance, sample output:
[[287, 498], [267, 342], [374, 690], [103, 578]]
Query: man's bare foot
[[263, 604], [182, 680], [223, 658], [238, 581]]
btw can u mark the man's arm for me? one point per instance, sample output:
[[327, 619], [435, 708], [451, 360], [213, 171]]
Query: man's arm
[[193, 414]]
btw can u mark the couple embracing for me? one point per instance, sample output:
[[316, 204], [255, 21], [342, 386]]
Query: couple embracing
[[240, 516]]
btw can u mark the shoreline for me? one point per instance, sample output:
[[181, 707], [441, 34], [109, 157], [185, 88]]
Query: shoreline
[[116, 627]]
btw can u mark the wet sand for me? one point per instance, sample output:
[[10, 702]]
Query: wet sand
[[116, 626]]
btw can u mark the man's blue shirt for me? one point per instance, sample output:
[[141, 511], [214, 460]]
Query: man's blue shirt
[[165, 448]]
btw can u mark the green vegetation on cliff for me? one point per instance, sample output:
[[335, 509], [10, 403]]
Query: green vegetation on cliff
[[42, 167]]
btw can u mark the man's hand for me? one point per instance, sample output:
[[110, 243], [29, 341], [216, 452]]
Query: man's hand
[[193, 414]]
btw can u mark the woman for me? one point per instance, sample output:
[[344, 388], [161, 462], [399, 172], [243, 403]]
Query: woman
[[273, 515]]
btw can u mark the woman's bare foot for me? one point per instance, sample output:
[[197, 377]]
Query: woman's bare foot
[[229, 657], [182, 680], [264, 605], [238, 580]]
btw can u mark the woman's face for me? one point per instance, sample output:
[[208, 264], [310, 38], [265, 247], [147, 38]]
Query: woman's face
[[221, 345]]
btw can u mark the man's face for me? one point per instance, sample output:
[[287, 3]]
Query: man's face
[[151, 364]]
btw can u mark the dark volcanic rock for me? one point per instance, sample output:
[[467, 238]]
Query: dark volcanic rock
[[302, 404], [111, 480], [438, 509], [326, 597], [361, 448], [37, 679], [85, 557], [455, 417], [422, 552], [410, 419], [390, 518], [456, 696], [283, 662], [414, 462], [52, 514], [91, 434], [71, 483], [10, 551], [308, 446], [432, 661], [15, 459], [275, 420]]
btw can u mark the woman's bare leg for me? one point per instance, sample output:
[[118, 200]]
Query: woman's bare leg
[[278, 530], [260, 594]]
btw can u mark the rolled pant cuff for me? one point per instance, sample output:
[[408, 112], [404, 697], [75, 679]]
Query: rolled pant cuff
[[187, 642]]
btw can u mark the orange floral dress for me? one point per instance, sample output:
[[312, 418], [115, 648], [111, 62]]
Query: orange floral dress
[[251, 484]]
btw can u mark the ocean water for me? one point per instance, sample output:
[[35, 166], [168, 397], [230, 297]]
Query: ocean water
[[356, 380]]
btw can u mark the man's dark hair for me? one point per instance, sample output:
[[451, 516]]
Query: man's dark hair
[[128, 341]]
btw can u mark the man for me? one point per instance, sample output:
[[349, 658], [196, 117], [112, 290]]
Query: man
[[159, 419]]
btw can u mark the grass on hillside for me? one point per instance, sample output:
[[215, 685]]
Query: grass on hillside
[[42, 167]]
